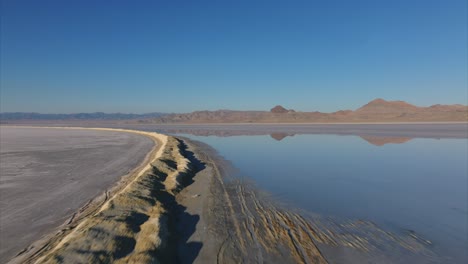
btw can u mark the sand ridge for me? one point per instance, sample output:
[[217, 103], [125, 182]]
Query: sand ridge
[[81, 218], [48, 175], [161, 141]]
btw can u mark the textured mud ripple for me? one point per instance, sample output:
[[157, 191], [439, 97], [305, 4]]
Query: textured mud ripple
[[257, 229]]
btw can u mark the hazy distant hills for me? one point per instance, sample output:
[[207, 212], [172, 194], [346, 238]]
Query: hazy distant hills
[[78, 116], [378, 110]]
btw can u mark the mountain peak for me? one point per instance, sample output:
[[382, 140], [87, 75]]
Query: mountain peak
[[382, 106], [378, 101], [279, 109]]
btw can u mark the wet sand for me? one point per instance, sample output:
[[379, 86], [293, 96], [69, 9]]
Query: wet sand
[[48, 174], [235, 222]]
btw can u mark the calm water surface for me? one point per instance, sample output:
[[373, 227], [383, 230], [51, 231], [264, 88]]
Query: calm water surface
[[401, 184]]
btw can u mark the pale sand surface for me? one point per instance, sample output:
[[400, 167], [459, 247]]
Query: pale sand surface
[[136, 224], [48, 174]]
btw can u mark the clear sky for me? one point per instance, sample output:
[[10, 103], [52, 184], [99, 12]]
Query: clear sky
[[180, 56]]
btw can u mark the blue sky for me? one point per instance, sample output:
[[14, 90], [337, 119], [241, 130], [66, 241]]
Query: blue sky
[[180, 56]]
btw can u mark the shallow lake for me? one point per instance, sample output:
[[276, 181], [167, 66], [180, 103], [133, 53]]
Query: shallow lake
[[402, 184]]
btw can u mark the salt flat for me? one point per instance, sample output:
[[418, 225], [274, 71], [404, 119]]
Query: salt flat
[[46, 174]]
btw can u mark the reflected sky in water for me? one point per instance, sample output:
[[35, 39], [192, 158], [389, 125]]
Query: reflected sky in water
[[399, 183]]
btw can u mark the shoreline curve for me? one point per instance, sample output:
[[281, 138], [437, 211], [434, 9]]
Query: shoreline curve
[[35, 252]]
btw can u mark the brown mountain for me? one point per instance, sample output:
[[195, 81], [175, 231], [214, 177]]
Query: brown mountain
[[383, 107], [447, 108], [400, 111], [279, 110]]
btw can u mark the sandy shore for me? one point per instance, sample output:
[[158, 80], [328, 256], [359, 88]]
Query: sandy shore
[[182, 206], [48, 174], [44, 244]]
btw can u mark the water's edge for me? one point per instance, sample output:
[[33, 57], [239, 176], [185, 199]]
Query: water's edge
[[228, 217]]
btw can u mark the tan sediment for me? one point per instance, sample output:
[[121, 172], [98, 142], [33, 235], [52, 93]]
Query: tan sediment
[[127, 224], [263, 233], [132, 226]]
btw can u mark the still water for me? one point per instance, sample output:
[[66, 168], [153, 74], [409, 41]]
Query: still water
[[402, 184]]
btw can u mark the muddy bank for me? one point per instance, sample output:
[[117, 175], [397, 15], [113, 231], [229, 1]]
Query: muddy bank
[[242, 224]]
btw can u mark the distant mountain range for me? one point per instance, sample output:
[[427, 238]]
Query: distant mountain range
[[378, 110], [78, 116]]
